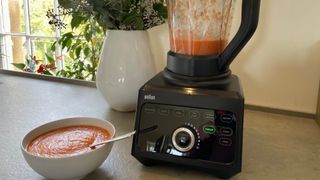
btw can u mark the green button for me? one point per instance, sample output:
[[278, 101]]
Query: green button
[[209, 129]]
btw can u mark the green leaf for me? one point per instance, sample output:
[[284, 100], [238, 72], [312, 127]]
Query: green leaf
[[73, 47], [88, 36], [86, 51], [58, 73], [161, 10], [60, 40], [49, 58], [53, 46], [98, 31], [68, 35], [66, 3], [71, 54], [76, 21], [89, 68], [69, 43], [86, 28], [29, 62], [46, 72], [20, 66], [106, 23], [130, 18], [81, 64], [78, 51], [139, 24], [66, 43], [135, 19]]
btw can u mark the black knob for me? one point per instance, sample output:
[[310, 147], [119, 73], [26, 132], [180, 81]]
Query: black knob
[[183, 139]]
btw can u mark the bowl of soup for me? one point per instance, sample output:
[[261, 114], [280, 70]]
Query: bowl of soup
[[60, 149]]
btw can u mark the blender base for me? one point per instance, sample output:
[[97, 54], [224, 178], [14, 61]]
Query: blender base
[[197, 127]]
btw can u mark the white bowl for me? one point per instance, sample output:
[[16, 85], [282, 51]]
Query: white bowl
[[73, 167]]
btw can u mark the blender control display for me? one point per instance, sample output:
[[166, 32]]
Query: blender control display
[[188, 132]]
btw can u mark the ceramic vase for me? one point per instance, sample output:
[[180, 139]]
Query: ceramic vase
[[126, 63]]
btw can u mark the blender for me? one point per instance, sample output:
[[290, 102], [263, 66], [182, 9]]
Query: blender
[[191, 113]]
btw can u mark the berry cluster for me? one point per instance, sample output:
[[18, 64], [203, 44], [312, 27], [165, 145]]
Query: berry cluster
[[55, 17]]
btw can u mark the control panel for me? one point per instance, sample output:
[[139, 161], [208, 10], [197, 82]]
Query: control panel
[[188, 132]]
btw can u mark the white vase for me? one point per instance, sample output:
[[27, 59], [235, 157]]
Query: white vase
[[126, 63]]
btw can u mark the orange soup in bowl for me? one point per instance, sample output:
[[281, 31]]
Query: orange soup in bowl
[[67, 141]]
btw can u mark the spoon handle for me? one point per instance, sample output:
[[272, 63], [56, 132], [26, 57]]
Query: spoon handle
[[114, 139]]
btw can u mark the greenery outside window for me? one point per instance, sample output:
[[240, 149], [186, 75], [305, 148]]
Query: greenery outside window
[[30, 42], [24, 30]]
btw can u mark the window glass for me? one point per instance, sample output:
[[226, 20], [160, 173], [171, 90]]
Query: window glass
[[38, 20], [41, 46], [13, 50]]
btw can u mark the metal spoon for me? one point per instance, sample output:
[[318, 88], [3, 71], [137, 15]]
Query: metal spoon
[[114, 139]]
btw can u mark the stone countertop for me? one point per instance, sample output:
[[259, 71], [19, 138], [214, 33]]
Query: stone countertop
[[275, 146]]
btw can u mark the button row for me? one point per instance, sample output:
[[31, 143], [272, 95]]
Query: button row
[[217, 130], [179, 113]]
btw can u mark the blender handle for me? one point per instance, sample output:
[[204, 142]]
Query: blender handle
[[249, 23]]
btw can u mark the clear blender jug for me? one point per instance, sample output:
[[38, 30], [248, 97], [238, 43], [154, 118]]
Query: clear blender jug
[[199, 38], [199, 27]]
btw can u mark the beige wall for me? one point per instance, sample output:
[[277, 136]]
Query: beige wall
[[280, 67]]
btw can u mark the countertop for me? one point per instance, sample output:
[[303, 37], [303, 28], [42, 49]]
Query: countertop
[[275, 146]]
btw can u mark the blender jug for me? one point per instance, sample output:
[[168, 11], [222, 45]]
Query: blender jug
[[199, 27], [199, 37]]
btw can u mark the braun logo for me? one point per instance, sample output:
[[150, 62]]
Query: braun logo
[[149, 97]]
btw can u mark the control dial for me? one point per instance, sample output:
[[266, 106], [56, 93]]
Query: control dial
[[183, 139]]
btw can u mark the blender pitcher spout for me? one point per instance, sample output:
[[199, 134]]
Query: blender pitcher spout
[[249, 23]]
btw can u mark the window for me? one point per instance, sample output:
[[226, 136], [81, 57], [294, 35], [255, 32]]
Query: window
[[27, 39], [25, 32]]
